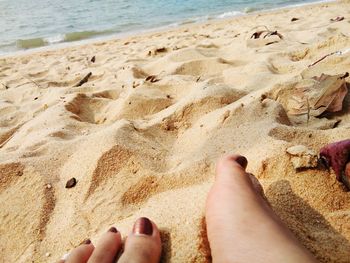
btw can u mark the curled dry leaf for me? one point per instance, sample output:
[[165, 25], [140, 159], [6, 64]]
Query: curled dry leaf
[[160, 50], [312, 97], [266, 33], [337, 19], [152, 78], [294, 19]]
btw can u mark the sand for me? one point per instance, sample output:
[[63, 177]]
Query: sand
[[149, 148]]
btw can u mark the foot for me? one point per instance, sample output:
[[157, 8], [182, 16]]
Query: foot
[[143, 245], [241, 225]]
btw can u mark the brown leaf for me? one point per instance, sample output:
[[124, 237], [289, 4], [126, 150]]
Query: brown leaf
[[93, 59], [273, 33], [71, 183], [258, 34], [337, 19], [294, 19], [313, 97], [152, 78], [160, 50]]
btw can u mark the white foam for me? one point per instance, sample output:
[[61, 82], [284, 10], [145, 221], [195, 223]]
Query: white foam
[[230, 14], [54, 39]]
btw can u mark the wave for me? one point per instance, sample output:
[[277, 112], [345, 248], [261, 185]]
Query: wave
[[230, 14], [60, 38]]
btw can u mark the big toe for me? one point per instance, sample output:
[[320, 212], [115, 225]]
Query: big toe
[[143, 245], [230, 199]]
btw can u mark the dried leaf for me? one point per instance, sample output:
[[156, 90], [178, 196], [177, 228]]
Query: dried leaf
[[93, 59], [337, 19], [312, 97], [152, 78], [294, 19], [269, 33], [257, 34], [160, 50], [273, 33]]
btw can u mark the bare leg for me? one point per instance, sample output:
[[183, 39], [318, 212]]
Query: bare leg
[[241, 226]]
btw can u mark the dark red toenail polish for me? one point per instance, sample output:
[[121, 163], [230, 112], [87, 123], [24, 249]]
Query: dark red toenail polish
[[87, 241], [143, 226], [113, 230], [242, 161]]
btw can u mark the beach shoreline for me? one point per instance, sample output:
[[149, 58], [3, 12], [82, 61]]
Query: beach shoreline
[[140, 122], [154, 30]]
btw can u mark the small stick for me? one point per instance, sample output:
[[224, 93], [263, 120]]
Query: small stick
[[308, 110], [313, 64], [84, 80]]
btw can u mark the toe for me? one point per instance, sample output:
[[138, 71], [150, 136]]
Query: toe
[[107, 248], [143, 245], [81, 254]]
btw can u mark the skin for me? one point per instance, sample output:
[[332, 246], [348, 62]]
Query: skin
[[241, 227]]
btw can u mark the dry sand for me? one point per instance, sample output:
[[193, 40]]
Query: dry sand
[[149, 148]]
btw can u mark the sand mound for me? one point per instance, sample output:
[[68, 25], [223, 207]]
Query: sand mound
[[143, 134]]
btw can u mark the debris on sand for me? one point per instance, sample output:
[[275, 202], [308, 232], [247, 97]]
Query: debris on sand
[[71, 183], [302, 157], [266, 33], [313, 97], [84, 80], [337, 19], [152, 78]]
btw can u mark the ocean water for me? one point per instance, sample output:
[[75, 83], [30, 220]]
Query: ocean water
[[26, 24]]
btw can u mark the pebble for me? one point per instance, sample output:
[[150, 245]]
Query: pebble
[[302, 157], [71, 183], [48, 186], [48, 254]]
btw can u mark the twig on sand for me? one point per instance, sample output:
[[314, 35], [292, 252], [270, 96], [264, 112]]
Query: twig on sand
[[308, 110], [84, 80], [5, 86], [32, 81], [324, 57]]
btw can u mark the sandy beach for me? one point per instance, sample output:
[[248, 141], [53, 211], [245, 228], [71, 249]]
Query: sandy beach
[[141, 121]]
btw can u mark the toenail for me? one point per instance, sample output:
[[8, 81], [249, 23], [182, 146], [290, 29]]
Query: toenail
[[143, 226], [242, 161], [87, 241], [113, 230]]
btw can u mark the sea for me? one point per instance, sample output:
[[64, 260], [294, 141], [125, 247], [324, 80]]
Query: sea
[[29, 24]]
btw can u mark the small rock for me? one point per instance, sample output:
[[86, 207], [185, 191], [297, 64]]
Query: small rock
[[19, 173], [48, 254], [48, 186], [71, 183], [302, 157]]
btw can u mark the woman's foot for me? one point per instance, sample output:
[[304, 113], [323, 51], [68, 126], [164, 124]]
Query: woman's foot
[[240, 224], [143, 245]]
